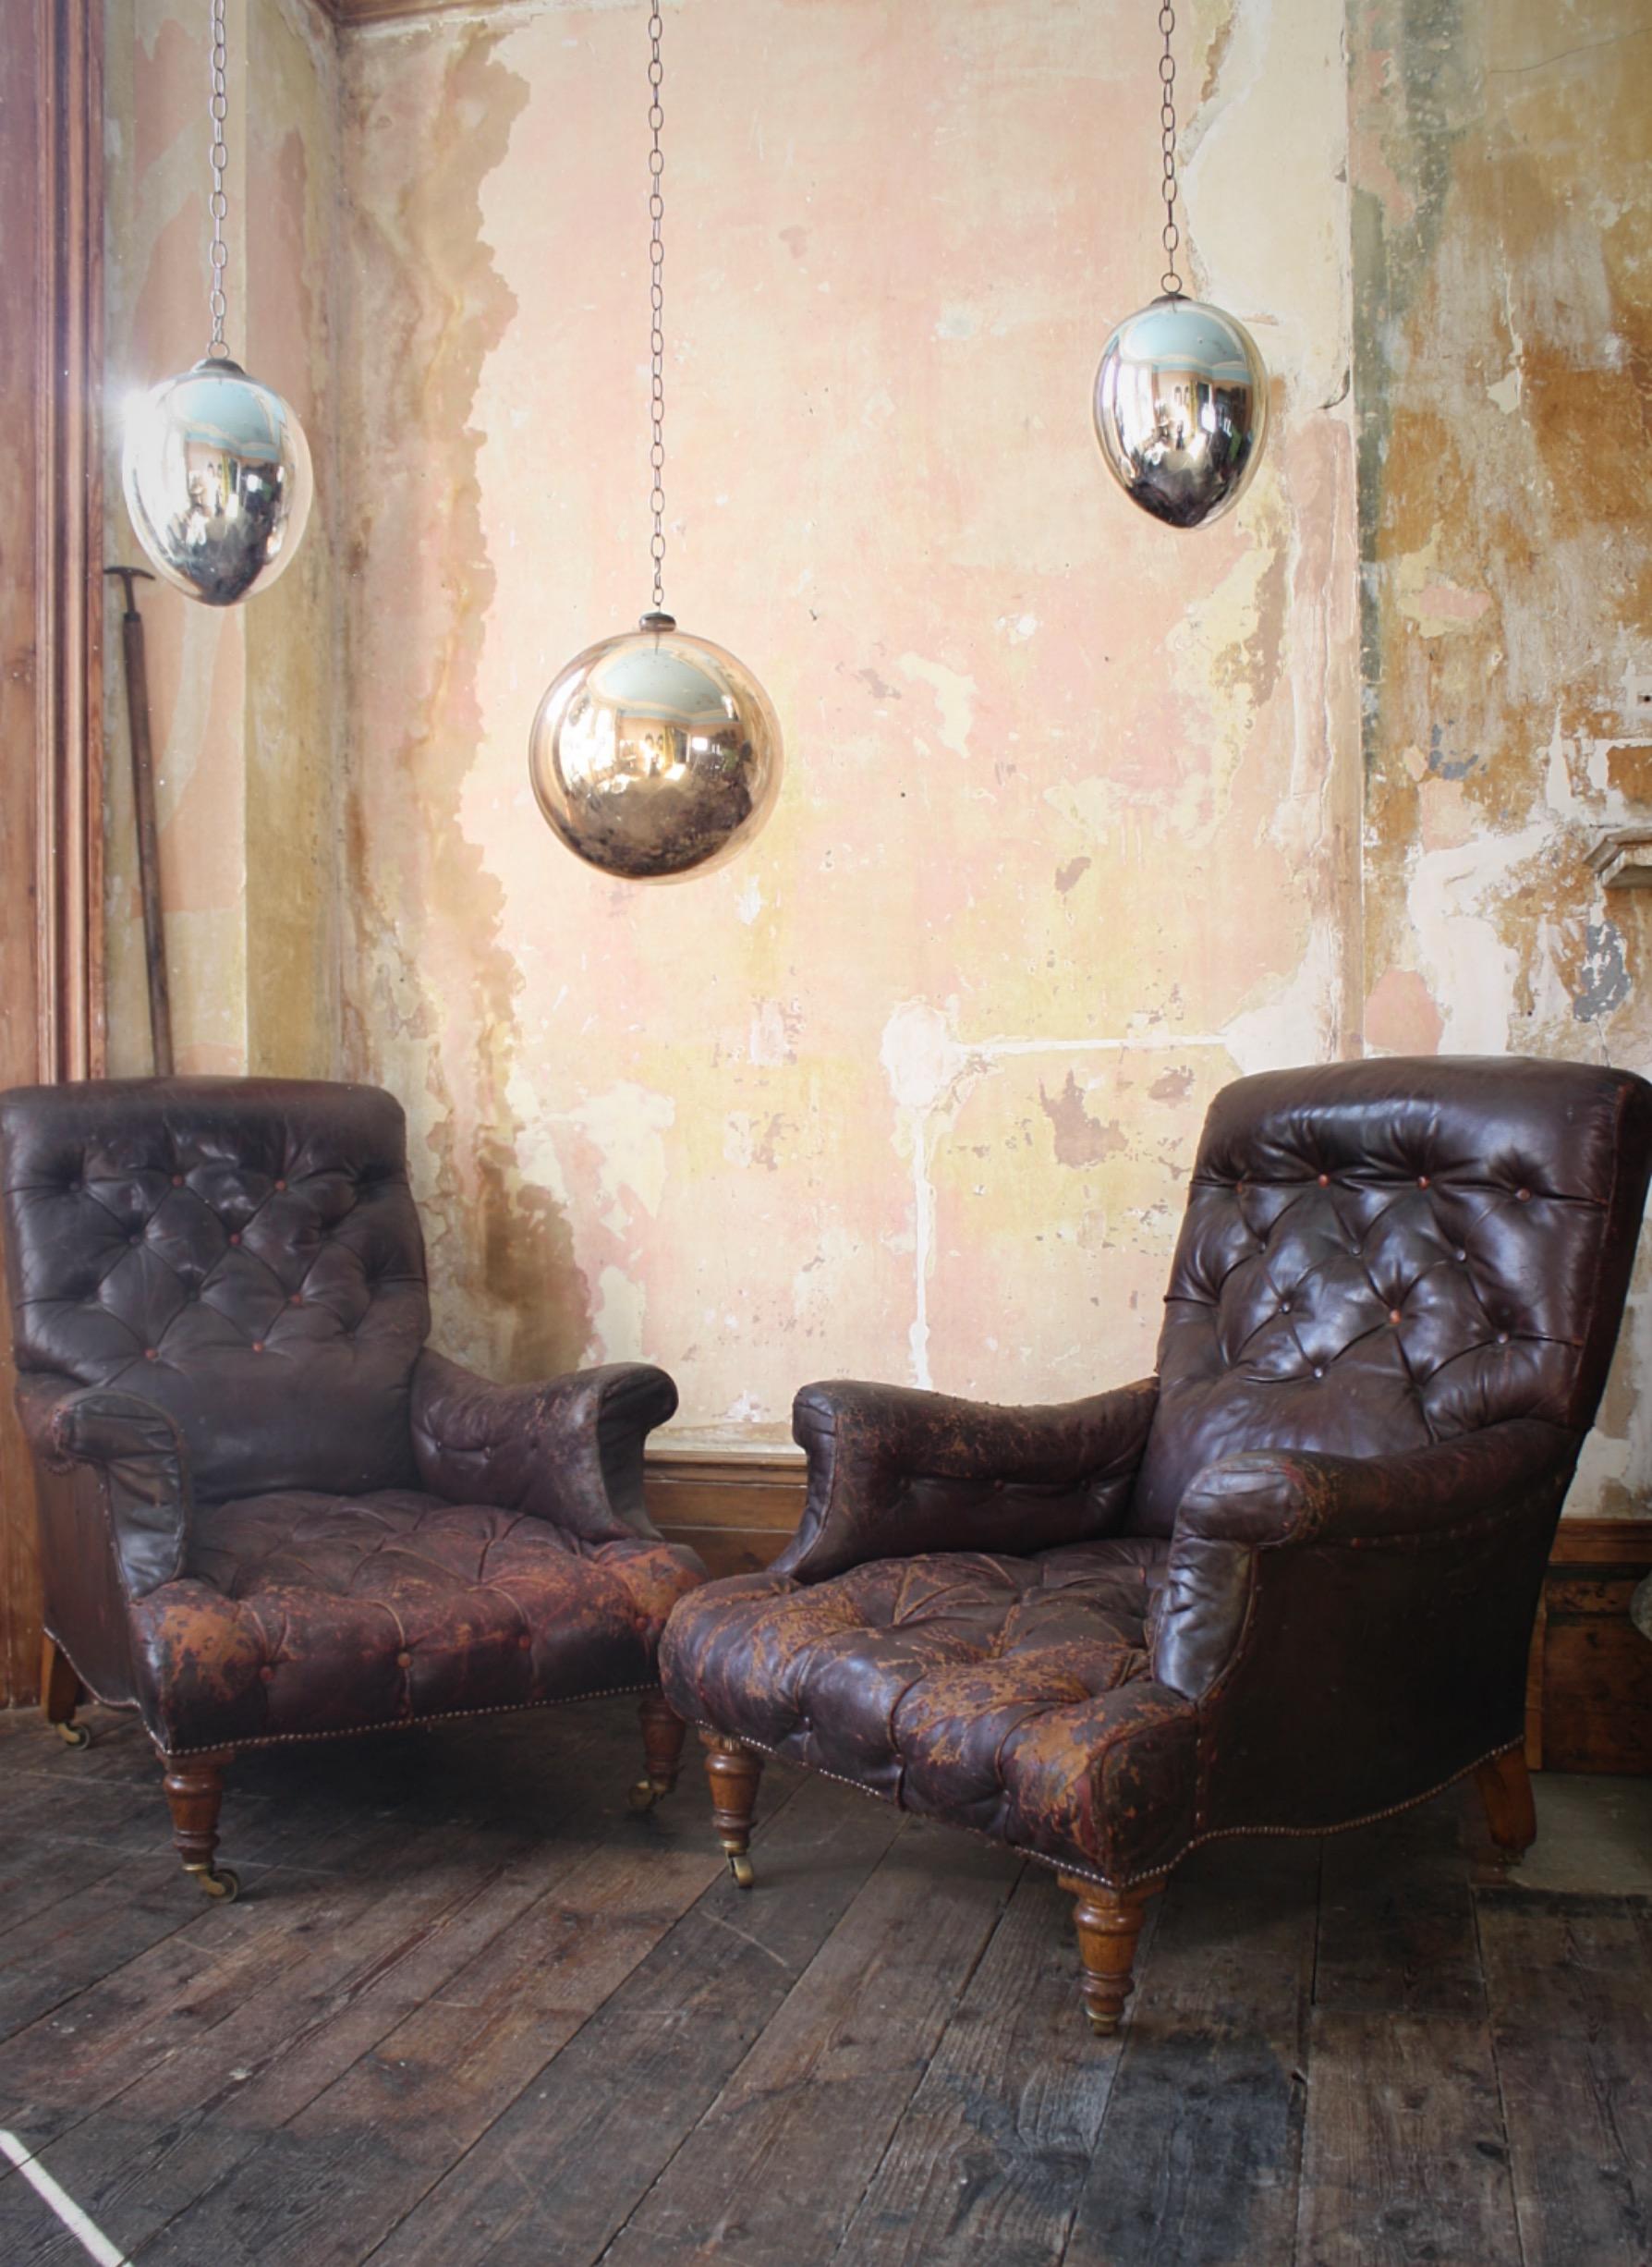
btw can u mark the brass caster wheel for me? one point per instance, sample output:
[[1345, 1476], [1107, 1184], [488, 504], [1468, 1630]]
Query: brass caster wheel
[[220, 1882], [74, 1736], [645, 1795], [739, 1865]]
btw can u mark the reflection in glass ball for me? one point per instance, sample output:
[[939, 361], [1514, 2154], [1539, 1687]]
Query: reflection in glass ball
[[218, 482], [654, 753], [1181, 410]]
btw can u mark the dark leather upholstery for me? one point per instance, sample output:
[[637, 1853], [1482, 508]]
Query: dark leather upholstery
[[1286, 1585], [268, 1511]]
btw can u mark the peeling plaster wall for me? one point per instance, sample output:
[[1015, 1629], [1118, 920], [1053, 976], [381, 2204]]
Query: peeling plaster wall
[[242, 701], [1069, 833], [1072, 825], [1501, 155]]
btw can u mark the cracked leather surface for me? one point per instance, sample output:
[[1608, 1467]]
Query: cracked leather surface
[[1296, 1578], [268, 1510]]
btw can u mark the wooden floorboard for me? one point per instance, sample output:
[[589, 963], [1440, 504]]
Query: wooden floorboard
[[1405, 2158], [1569, 1983], [1198, 2160], [567, 2165], [779, 2163], [1397, 1915], [472, 2012], [990, 2157]]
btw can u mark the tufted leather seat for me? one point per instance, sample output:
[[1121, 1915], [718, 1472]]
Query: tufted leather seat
[[331, 1613], [269, 1511], [1285, 1585]]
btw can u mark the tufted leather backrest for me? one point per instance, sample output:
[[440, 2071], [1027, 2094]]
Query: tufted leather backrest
[[244, 1251], [1377, 1255]]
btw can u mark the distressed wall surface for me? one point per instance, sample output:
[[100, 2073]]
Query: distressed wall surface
[[1503, 200], [1072, 825], [242, 701], [1069, 831]]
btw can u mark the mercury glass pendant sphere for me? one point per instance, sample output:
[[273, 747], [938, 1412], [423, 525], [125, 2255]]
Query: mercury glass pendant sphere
[[218, 484], [655, 753], [1181, 410]]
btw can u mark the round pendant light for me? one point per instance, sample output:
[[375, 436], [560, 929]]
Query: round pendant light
[[215, 467], [655, 753], [1181, 397]]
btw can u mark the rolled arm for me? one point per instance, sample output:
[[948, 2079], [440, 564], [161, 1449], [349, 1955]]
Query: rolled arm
[[137, 1452], [568, 1450], [893, 1472], [1261, 1505]]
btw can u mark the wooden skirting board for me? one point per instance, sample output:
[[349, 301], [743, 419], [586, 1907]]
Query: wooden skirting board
[[1589, 1689], [738, 1512], [1590, 1686]]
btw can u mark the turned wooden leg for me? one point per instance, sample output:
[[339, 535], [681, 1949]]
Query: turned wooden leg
[[734, 1773], [1505, 1787], [1110, 1922], [61, 1693], [664, 1733], [195, 1790]]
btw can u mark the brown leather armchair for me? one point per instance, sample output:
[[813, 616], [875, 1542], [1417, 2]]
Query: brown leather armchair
[[268, 1511], [1285, 1586]]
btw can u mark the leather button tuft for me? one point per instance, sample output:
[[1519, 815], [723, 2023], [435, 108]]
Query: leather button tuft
[[1318, 1371], [404, 1661], [1502, 1338], [1284, 1306], [236, 1237], [257, 1345], [1394, 1316], [178, 1181], [281, 1185], [1325, 1181], [524, 1645], [296, 1299], [1522, 1196], [152, 1353], [1459, 1253], [267, 1673], [134, 1241], [1422, 1180]]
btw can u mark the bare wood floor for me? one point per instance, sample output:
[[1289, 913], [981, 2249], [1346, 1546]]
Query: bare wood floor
[[471, 2010]]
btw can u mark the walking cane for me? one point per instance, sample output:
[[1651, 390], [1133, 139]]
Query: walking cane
[[143, 801]]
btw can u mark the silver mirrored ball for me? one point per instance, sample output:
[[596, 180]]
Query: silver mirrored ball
[[218, 482], [1181, 410], [655, 753]]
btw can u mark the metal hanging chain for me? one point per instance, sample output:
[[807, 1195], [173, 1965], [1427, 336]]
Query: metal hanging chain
[[657, 316], [219, 205], [1169, 281]]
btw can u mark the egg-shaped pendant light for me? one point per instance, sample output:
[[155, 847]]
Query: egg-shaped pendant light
[[1181, 395], [215, 467], [655, 753]]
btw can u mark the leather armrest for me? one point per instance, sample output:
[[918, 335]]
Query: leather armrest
[[893, 1472], [137, 1453], [1256, 1502], [568, 1451]]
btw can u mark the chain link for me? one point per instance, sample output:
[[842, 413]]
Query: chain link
[[1169, 281], [219, 205], [657, 315]]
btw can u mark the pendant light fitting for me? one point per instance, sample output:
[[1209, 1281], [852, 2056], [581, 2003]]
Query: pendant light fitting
[[654, 753], [1181, 395], [215, 465]]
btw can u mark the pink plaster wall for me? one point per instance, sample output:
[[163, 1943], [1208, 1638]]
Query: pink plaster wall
[[1068, 832]]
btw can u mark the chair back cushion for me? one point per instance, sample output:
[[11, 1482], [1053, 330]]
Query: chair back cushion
[[244, 1251], [1380, 1254]]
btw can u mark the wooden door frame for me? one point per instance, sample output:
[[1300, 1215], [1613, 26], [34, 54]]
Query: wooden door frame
[[51, 635]]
